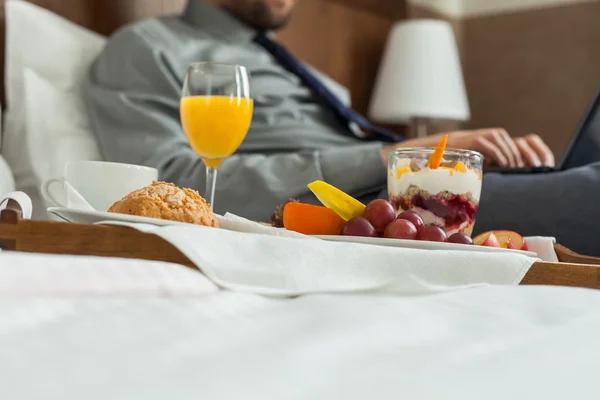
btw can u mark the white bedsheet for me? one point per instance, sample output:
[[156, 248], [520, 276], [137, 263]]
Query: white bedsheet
[[35, 275], [485, 343]]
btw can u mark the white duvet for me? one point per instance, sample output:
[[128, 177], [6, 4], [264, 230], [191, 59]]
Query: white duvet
[[485, 343]]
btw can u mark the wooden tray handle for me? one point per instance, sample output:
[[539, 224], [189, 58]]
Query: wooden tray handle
[[9, 216], [123, 242], [11, 213], [51, 237], [569, 256]]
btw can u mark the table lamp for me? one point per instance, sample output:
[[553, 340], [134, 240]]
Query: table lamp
[[420, 77]]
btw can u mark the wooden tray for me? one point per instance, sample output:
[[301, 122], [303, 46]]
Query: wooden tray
[[114, 241]]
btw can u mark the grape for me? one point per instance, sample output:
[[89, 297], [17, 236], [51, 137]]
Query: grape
[[460, 238], [359, 227], [432, 234], [379, 213], [401, 229], [413, 217]]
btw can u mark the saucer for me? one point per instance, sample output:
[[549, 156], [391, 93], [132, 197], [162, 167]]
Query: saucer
[[95, 217]]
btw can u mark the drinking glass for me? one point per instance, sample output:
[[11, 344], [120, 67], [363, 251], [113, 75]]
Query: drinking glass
[[216, 111], [446, 196]]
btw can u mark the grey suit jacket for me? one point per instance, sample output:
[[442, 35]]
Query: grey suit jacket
[[132, 95]]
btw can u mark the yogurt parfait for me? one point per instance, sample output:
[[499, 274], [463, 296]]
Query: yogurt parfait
[[441, 185]]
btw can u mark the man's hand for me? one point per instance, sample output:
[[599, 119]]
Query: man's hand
[[498, 147]]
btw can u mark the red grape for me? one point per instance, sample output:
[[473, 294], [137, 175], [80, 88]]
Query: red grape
[[359, 227], [401, 229], [379, 213], [413, 217], [460, 238], [432, 234]]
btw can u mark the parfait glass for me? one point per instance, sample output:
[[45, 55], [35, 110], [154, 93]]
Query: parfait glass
[[446, 196]]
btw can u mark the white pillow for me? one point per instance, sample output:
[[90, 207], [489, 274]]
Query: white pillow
[[57, 50], [7, 183], [56, 119]]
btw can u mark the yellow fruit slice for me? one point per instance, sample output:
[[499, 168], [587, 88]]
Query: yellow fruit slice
[[402, 170], [460, 167], [343, 204], [436, 158]]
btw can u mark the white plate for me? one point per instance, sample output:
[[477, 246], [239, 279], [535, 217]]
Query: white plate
[[93, 217], [420, 244]]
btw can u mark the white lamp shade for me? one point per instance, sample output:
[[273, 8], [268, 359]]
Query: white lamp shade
[[420, 75]]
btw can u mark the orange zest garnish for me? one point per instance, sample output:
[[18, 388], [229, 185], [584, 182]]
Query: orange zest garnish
[[402, 170], [436, 158], [450, 170], [460, 167]]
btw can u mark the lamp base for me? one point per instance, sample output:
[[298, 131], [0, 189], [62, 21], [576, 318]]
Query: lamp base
[[419, 127]]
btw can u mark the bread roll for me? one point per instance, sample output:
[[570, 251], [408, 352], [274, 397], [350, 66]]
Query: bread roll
[[167, 201]]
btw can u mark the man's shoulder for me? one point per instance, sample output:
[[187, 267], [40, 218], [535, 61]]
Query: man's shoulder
[[146, 46], [157, 33], [136, 49]]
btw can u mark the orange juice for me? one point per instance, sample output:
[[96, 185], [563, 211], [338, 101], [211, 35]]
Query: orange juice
[[215, 126]]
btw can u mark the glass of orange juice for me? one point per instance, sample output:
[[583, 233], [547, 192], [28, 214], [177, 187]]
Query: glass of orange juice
[[216, 111]]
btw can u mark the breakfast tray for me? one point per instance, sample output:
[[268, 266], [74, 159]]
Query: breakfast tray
[[50, 237]]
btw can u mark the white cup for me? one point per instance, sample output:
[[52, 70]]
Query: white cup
[[97, 183]]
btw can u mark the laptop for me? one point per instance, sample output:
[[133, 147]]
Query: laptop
[[583, 149]]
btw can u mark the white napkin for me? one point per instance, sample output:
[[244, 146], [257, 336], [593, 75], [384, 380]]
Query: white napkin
[[22, 199], [285, 266], [543, 246], [236, 223]]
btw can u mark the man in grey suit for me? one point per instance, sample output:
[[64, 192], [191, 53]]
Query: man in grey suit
[[297, 135]]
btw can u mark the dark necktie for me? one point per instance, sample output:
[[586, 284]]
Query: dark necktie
[[344, 114]]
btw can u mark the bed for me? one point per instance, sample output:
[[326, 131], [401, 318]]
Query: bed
[[98, 328]]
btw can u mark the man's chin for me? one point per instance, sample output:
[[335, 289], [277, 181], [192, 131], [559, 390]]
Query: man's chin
[[267, 19], [277, 25]]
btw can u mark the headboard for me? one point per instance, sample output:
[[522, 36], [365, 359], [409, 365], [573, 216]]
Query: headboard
[[346, 36]]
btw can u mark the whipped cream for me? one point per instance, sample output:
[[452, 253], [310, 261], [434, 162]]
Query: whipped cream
[[435, 181]]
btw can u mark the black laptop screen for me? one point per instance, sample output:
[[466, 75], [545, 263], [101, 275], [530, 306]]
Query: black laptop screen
[[585, 148]]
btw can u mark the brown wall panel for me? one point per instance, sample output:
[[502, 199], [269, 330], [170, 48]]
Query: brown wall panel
[[534, 71], [393, 9]]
